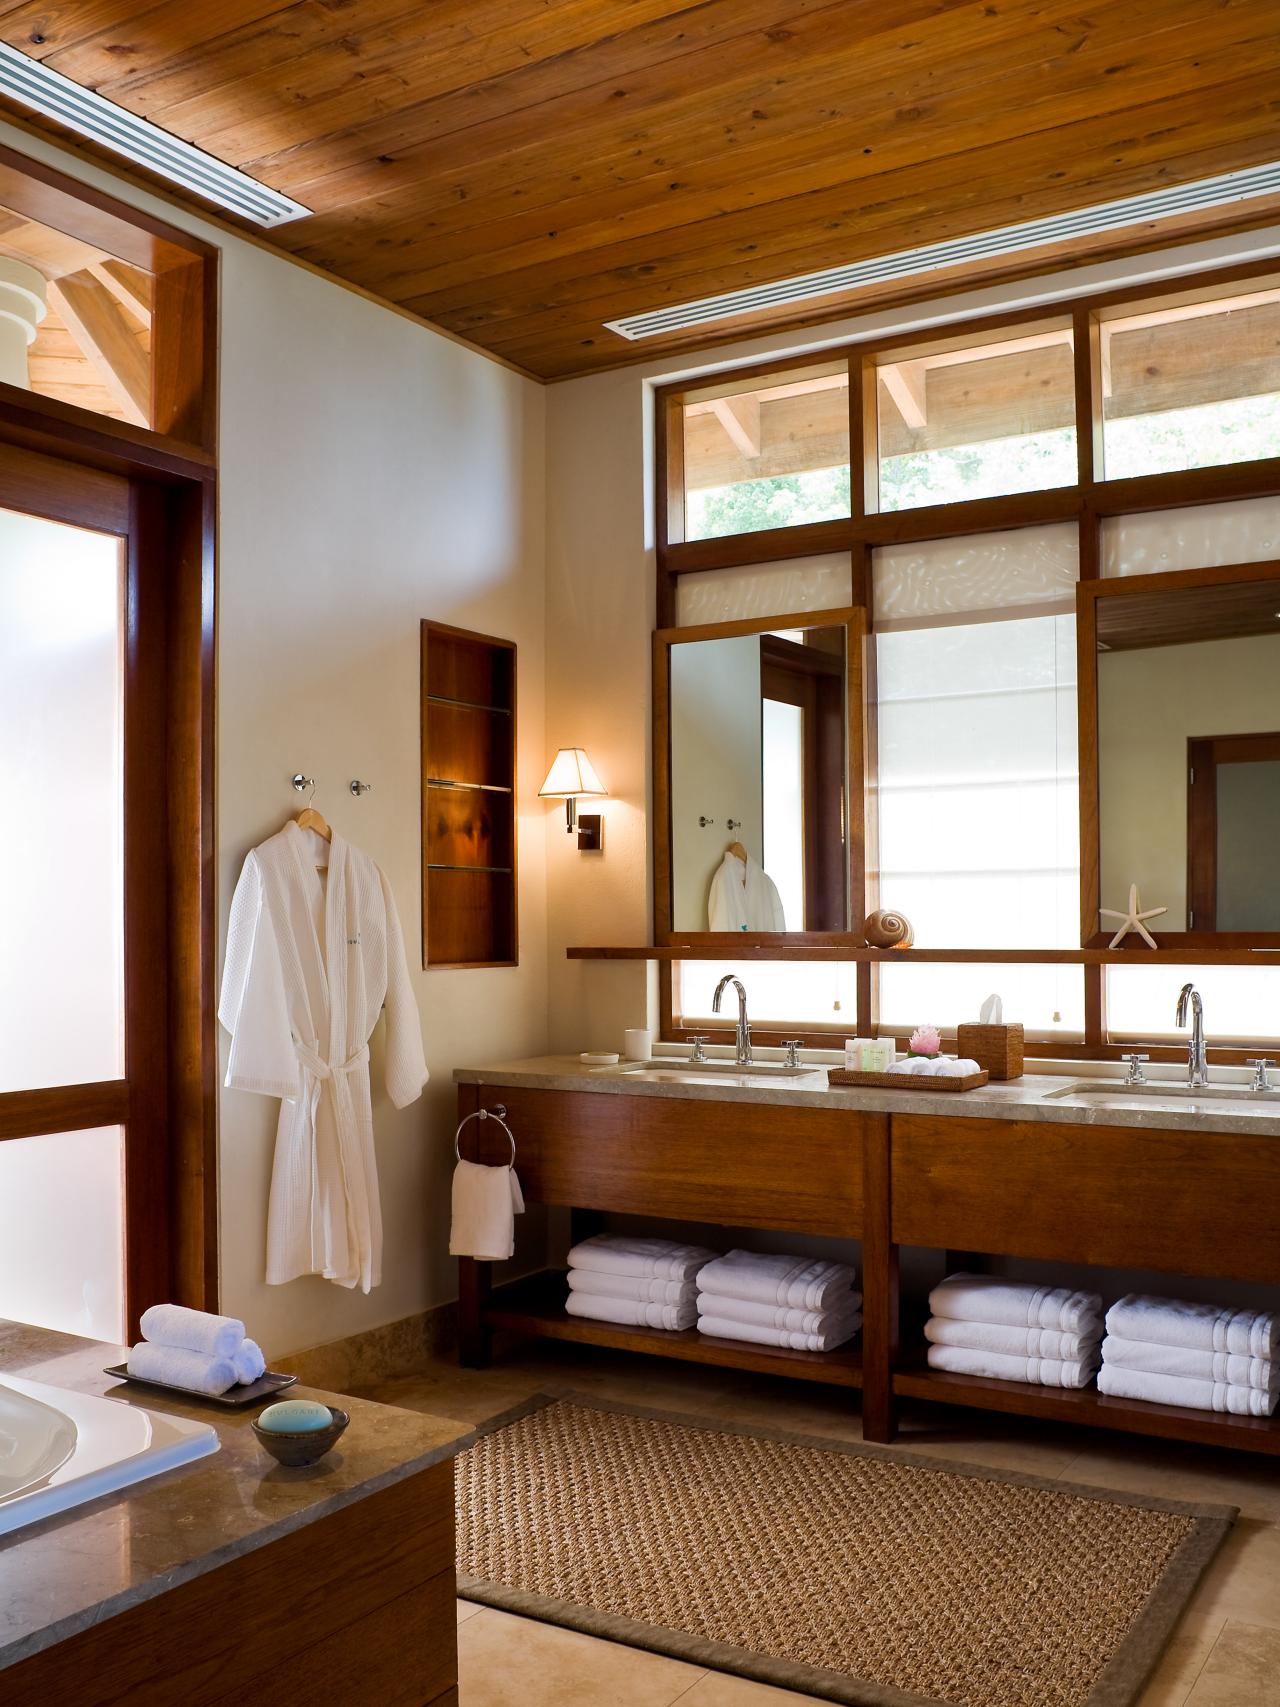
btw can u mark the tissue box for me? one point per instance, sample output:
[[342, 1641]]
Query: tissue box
[[998, 1048]]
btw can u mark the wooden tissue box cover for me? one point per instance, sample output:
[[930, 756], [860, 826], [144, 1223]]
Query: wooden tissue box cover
[[998, 1048]]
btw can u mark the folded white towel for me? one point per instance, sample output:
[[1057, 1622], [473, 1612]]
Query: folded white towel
[[987, 1298], [1201, 1327], [1013, 1342], [936, 1066], [643, 1259], [770, 1315], [1123, 1383], [787, 1282], [630, 1286], [249, 1363], [631, 1312], [192, 1330], [174, 1366], [486, 1201], [1183, 1360], [1038, 1371], [836, 1332]]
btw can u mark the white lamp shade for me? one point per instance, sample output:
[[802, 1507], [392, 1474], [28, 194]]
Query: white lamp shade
[[571, 775]]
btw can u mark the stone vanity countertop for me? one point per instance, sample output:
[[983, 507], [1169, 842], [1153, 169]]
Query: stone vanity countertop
[[1022, 1099], [66, 1573]]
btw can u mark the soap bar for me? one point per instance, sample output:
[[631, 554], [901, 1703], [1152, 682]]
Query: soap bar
[[295, 1416]]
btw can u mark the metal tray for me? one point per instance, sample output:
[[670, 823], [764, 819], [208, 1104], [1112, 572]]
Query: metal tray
[[233, 1399]]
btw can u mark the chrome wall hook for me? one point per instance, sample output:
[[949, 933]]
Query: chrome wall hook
[[359, 788], [302, 783]]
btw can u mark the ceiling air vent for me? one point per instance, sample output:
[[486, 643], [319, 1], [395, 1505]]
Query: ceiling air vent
[[932, 257], [56, 97]]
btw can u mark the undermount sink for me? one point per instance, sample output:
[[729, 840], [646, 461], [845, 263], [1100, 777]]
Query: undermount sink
[[715, 1072], [1115, 1090]]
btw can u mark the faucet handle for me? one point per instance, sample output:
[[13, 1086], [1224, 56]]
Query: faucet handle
[[1135, 1075], [1260, 1064], [698, 1053], [792, 1045]]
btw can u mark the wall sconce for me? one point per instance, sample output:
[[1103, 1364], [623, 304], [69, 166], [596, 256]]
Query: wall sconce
[[571, 778]]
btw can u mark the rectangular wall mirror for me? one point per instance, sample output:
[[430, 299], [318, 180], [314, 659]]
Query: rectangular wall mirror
[[756, 725], [1188, 747]]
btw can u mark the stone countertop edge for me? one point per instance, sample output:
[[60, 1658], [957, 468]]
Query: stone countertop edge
[[59, 1557], [1017, 1099]]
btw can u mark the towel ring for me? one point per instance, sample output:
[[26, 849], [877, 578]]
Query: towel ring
[[498, 1114]]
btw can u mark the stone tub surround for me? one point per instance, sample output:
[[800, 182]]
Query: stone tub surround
[[70, 1573], [1020, 1099]]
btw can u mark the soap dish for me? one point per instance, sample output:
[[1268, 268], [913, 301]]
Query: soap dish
[[598, 1058], [296, 1450]]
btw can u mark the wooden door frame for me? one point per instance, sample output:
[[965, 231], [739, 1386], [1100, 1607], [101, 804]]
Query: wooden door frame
[[1204, 755]]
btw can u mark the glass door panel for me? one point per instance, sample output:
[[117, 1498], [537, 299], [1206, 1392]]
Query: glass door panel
[[61, 781], [62, 1232]]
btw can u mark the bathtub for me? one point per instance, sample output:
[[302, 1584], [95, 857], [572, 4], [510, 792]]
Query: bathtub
[[60, 1449]]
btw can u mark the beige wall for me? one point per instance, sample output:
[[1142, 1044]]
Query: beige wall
[[372, 473]]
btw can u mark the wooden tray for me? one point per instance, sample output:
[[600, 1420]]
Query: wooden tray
[[245, 1393], [905, 1081]]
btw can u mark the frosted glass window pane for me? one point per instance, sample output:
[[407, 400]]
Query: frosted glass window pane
[[767, 453], [782, 763], [61, 853], [1047, 1000], [780, 991], [1200, 536], [62, 1232], [977, 421], [765, 589], [1241, 1003], [978, 803], [979, 574]]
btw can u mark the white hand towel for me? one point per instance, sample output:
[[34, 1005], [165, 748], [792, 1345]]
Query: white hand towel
[[173, 1366], [1195, 1365], [836, 1332], [1179, 1390], [987, 1298], [630, 1286], [630, 1312], [249, 1363], [1200, 1327], [643, 1259], [1037, 1371], [192, 1330], [486, 1201], [769, 1315], [1014, 1342], [787, 1282]]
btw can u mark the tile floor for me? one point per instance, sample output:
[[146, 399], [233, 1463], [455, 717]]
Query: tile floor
[[1225, 1653]]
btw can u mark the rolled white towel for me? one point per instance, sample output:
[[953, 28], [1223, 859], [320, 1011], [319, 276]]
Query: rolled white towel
[[192, 1330], [787, 1282], [770, 1315], [644, 1259], [1037, 1371], [1014, 1342], [630, 1312], [249, 1363], [631, 1286], [1200, 1327], [173, 1366], [1226, 1366], [837, 1330], [1009, 1303], [1221, 1396]]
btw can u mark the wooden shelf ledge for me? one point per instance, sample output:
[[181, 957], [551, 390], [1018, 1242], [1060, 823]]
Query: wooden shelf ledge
[[855, 952]]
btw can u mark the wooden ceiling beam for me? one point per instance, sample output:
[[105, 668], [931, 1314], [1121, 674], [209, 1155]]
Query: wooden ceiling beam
[[905, 382], [93, 317], [740, 418], [131, 287]]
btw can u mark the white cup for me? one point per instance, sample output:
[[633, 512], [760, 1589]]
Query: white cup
[[637, 1044]]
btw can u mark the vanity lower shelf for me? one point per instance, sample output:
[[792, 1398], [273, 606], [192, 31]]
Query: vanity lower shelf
[[1090, 1408], [535, 1307]]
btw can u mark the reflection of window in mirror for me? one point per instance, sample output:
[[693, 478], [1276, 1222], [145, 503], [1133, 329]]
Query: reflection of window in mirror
[[1189, 754]]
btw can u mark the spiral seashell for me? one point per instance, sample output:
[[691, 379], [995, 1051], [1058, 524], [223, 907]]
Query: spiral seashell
[[888, 930]]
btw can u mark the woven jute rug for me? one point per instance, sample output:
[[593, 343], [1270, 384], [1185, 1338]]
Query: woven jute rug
[[851, 1573]]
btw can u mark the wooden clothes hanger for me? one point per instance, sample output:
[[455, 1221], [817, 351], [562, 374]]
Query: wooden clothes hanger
[[738, 851], [310, 819]]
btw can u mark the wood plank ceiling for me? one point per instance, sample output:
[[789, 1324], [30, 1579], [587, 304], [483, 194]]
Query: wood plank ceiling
[[519, 171]]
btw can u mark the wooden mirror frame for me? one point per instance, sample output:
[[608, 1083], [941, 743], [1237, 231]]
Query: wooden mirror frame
[[1088, 595], [853, 619]]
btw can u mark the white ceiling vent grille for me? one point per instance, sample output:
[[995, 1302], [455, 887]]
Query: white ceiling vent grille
[[57, 97], [932, 257]]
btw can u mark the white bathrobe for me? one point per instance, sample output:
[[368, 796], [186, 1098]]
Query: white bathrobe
[[743, 898], [310, 964]]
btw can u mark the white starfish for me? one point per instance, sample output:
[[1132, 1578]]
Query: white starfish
[[1133, 920]]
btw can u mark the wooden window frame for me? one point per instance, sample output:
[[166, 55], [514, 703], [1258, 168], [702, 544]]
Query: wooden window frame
[[71, 464], [1087, 503]]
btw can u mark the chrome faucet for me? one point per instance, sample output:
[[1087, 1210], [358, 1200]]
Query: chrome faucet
[[1197, 1059], [743, 1056]]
